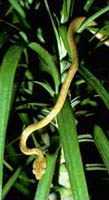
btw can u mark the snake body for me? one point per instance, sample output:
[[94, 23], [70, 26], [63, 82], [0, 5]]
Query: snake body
[[40, 163]]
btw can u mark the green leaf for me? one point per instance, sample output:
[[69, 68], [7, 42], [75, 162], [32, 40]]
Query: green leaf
[[69, 140], [63, 34], [95, 83], [47, 58], [10, 182], [22, 189], [65, 193], [88, 5], [66, 8], [54, 26], [102, 144], [7, 73], [95, 167], [93, 17], [18, 8], [46, 86], [44, 185]]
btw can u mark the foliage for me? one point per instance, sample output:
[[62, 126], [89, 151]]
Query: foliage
[[34, 59]]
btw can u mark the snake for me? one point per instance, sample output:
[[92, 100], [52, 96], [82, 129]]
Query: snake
[[39, 164]]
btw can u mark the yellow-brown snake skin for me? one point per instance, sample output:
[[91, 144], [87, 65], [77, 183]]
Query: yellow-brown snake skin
[[40, 163]]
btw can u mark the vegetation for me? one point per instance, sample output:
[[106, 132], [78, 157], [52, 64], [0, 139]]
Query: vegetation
[[35, 58]]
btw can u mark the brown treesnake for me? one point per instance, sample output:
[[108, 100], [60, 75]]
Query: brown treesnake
[[39, 164]]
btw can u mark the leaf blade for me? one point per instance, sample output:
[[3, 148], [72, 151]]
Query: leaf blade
[[7, 73], [95, 83], [10, 182], [48, 60], [17, 7], [69, 140], [102, 144], [45, 183]]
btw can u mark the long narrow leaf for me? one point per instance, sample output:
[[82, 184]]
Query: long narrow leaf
[[95, 83], [45, 183], [102, 144], [93, 17], [54, 26], [17, 7], [69, 139], [49, 62], [66, 10], [7, 73], [10, 182]]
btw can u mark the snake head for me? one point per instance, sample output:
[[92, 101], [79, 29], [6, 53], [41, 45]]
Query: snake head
[[39, 166]]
